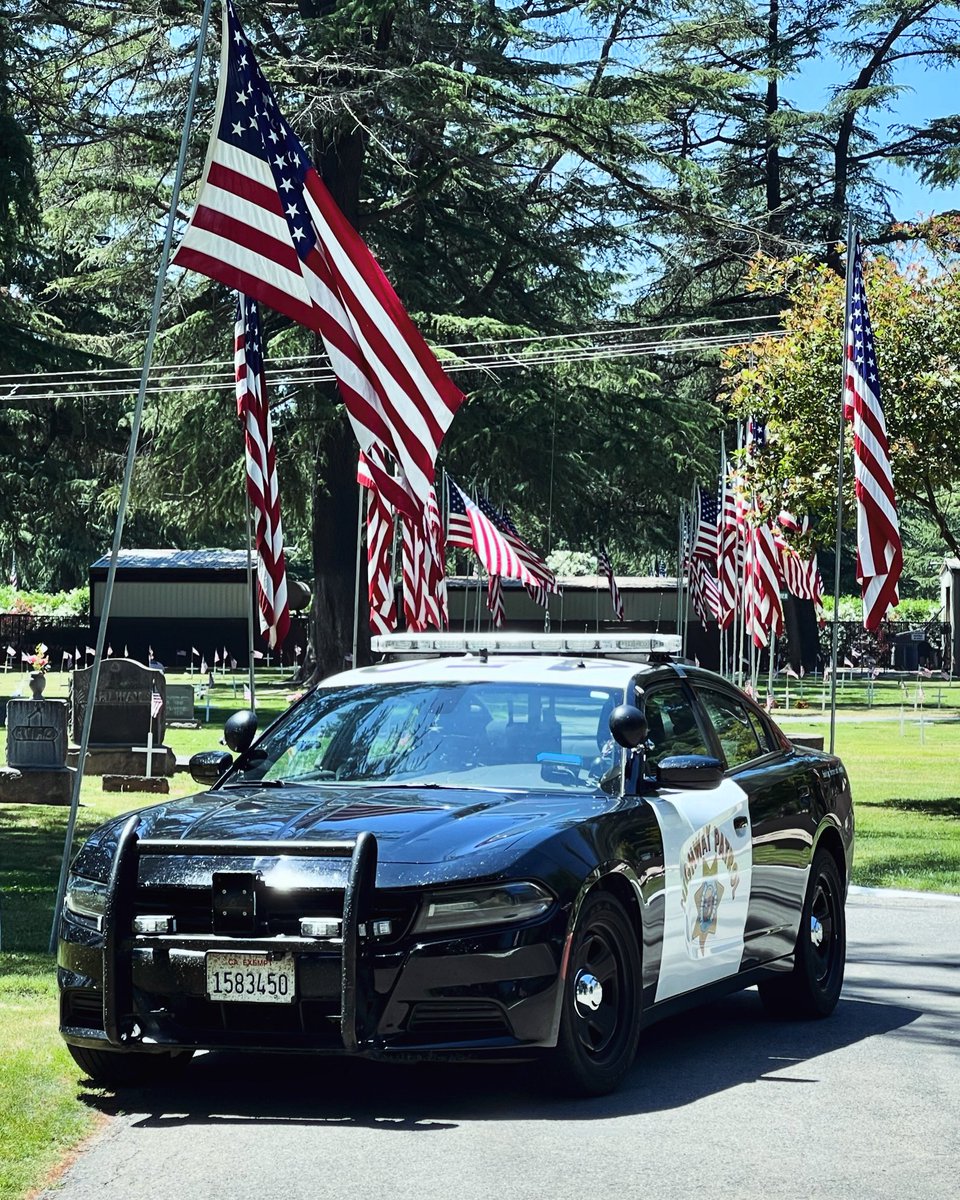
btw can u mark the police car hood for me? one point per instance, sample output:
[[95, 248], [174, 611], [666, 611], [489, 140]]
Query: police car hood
[[469, 831]]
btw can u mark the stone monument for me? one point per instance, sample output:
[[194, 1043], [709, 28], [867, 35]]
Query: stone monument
[[37, 753], [121, 719]]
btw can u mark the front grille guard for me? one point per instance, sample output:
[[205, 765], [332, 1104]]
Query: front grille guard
[[358, 899]]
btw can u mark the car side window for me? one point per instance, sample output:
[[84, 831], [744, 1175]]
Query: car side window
[[735, 729], [672, 724]]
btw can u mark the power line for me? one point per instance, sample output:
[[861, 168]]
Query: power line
[[295, 370], [218, 380]]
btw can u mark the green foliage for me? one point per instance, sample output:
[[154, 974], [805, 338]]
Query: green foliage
[[795, 381], [74, 603]]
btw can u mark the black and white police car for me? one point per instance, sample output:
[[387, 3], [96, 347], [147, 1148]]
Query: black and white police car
[[484, 846]]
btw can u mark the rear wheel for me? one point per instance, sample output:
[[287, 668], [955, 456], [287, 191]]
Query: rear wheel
[[812, 988], [600, 1020], [118, 1068]]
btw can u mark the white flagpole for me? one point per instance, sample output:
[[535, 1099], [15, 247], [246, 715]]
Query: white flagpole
[[840, 452], [135, 424]]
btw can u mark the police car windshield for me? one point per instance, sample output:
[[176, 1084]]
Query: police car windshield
[[527, 736]]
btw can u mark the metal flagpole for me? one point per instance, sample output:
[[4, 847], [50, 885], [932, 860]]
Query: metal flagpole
[[840, 452], [127, 476], [356, 582], [251, 603]]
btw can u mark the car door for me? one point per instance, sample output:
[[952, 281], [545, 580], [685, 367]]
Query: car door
[[779, 804], [706, 850]]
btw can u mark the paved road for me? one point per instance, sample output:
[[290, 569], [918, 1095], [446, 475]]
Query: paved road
[[722, 1103]]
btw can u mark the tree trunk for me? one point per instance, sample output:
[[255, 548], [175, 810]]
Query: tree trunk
[[335, 506]]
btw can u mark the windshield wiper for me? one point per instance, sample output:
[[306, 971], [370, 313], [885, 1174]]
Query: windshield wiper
[[257, 783]]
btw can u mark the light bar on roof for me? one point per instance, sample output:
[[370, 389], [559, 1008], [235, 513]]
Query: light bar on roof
[[609, 645]]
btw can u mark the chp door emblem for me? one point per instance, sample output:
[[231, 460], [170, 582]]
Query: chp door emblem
[[709, 872]]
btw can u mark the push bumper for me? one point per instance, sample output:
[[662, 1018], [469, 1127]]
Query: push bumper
[[478, 993]]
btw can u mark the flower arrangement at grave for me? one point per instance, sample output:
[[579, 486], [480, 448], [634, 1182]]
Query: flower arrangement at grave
[[39, 659]]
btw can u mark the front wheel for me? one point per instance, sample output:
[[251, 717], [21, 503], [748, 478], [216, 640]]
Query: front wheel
[[118, 1068], [600, 1019], [812, 988]]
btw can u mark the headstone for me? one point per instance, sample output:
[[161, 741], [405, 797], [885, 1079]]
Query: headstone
[[180, 702], [121, 715], [37, 733], [37, 753]]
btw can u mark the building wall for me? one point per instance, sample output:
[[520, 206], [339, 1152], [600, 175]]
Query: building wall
[[177, 599]]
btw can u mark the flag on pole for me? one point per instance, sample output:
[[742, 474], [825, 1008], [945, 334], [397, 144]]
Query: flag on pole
[[495, 600], [704, 591], [261, 460], [156, 703], [544, 579], [380, 534], [801, 576], [706, 542], [266, 225], [605, 566], [195, 652], [730, 553], [879, 549], [91, 652], [497, 554]]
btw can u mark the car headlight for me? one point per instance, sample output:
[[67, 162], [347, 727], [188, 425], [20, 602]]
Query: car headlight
[[85, 900], [502, 904]]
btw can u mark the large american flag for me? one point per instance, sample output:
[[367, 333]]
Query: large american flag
[[704, 592], [266, 225], [495, 601], [606, 567], [706, 539], [490, 545], [261, 461], [801, 576], [879, 550], [730, 554], [544, 580], [380, 535], [763, 610]]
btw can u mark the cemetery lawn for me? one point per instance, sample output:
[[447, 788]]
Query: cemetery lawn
[[907, 797]]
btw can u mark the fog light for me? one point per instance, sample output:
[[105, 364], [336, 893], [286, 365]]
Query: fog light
[[319, 927], [154, 925]]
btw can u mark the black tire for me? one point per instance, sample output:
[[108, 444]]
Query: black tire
[[119, 1068], [812, 988], [598, 1034]]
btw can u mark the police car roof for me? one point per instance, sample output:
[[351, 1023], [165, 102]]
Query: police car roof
[[568, 670]]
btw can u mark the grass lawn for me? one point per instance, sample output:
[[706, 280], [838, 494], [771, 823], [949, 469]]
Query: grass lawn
[[907, 797]]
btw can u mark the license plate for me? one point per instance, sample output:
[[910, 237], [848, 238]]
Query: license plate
[[250, 978]]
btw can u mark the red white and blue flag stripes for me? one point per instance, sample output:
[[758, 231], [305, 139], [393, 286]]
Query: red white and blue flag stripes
[[879, 549], [266, 225], [605, 567], [261, 468]]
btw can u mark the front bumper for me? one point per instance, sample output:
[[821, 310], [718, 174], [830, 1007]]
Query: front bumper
[[481, 992]]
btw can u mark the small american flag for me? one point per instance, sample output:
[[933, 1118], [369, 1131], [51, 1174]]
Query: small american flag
[[606, 568], [156, 703], [490, 545], [879, 549]]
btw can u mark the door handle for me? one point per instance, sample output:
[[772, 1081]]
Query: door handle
[[740, 824]]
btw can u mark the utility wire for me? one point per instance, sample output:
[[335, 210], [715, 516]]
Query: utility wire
[[214, 377]]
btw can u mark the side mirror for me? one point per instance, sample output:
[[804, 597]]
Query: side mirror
[[240, 730], [208, 766], [628, 726], [689, 770]]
